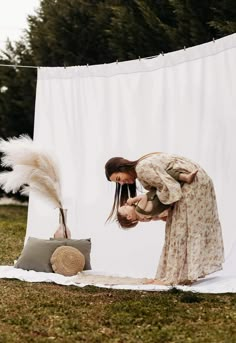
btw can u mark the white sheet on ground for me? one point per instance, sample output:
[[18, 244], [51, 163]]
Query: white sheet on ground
[[214, 283], [183, 102]]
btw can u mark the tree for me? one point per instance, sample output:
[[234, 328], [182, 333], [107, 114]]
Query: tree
[[18, 93], [77, 32], [192, 27], [139, 28], [223, 20], [69, 32]]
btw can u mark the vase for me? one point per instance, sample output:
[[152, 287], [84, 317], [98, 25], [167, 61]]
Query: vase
[[63, 230]]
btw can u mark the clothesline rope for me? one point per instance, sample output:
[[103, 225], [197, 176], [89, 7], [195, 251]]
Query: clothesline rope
[[37, 67], [18, 66], [117, 61]]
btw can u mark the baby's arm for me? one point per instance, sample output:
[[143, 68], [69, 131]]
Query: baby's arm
[[143, 202], [141, 199]]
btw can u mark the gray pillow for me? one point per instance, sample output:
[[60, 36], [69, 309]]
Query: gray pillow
[[83, 245], [36, 254]]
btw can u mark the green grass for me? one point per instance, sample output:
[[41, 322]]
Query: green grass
[[45, 312]]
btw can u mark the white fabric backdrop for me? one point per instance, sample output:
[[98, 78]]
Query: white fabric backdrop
[[183, 102]]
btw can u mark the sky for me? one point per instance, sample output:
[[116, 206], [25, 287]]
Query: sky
[[13, 18]]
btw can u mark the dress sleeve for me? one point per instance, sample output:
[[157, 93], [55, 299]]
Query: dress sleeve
[[168, 189]]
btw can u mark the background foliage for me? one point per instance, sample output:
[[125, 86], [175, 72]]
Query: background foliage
[[79, 32]]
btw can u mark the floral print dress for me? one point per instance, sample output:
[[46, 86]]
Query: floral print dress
[[193, 244]]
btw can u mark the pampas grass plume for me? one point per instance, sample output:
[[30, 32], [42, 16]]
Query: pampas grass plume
[[33, 170]]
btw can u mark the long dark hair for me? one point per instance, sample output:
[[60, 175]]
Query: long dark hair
[[122, 192]]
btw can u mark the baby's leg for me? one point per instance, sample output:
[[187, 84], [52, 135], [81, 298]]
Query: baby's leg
[[188, 178]]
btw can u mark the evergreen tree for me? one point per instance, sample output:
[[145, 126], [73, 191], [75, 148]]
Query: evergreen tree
[[17, 96], [69, 32], [140, 28], [192, 27], [223, 17]]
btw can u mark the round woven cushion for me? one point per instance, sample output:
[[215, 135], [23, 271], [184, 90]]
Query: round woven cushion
[[67, 261]]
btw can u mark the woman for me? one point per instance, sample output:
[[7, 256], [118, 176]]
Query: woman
[[193, 244]]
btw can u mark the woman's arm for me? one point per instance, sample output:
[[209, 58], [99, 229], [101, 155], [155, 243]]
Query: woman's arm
[[153, 175]]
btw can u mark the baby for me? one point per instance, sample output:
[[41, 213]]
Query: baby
[[147, 206]]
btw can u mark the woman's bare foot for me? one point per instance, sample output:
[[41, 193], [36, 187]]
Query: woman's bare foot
[[155, 282], [188, 178]]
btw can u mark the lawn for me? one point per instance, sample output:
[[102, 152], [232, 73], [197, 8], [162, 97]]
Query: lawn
[[45, 312]]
